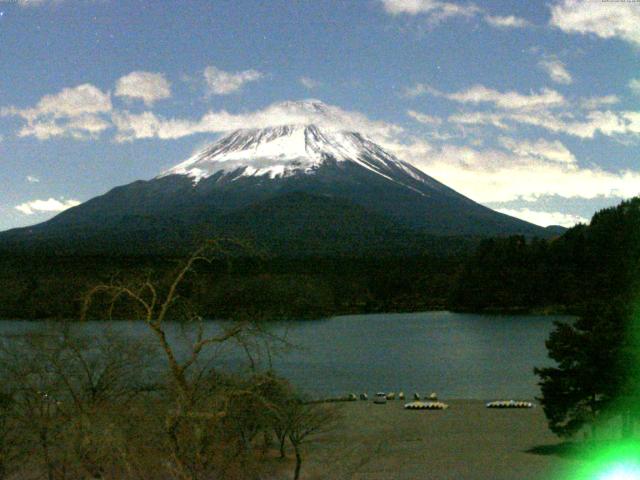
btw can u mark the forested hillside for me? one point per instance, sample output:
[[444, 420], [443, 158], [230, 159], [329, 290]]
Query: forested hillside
[[599, 261], [52, 287]]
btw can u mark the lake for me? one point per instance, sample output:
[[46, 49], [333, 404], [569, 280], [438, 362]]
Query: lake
[[456, 355]]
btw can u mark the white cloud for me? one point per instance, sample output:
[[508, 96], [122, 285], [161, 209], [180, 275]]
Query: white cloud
[[418, 90], [73, 112], [309, 83], [69, 102], [479, 94], [146, 86], [509, 21], [634, 85], [556, 70], [544, 219], [497, 120], [40, 3], [414, 149], [529, 169], [542, 149], [410, 7], [36, 3], [148, 125], [593, 103], [488, 175], [607, 123], [46, 129], [605, 19], [548, 110], [80, 128], [132, 126], [32, 179], [508, 100], [424, 118], [435, 10], [46, 206], [220, 82]]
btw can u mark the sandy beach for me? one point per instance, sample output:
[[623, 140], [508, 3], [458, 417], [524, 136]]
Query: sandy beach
[[466, 441]]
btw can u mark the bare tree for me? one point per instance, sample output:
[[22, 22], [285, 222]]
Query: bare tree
[[303, 421], [36, 411], [156, 305], [66, 389], [156, 308]]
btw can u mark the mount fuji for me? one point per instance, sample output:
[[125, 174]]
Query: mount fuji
[[298, 188]]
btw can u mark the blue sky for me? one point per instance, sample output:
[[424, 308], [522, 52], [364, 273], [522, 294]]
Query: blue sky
[[532, 108]]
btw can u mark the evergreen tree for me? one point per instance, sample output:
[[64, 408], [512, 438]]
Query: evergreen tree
[[593, 356]]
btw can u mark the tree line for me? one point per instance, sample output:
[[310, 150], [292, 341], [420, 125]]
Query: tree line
[[597, 261], [275, 287]]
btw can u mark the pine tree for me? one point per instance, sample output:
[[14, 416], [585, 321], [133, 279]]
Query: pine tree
[[593, 374]]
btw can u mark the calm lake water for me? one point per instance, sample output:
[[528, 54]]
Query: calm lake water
[[455, 355]]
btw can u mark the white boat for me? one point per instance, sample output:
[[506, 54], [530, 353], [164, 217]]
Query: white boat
[[380, 397]]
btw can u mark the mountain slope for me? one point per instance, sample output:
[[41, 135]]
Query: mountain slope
[[242, 182]]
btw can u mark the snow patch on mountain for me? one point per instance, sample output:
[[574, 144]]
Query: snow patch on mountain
[[288, 150]]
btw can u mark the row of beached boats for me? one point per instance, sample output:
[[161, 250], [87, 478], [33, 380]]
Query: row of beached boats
[[418, 405], [383, 397], [430, 402], [509, 404]]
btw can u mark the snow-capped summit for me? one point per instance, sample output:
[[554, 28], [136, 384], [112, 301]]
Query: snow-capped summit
[[289, 150]]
